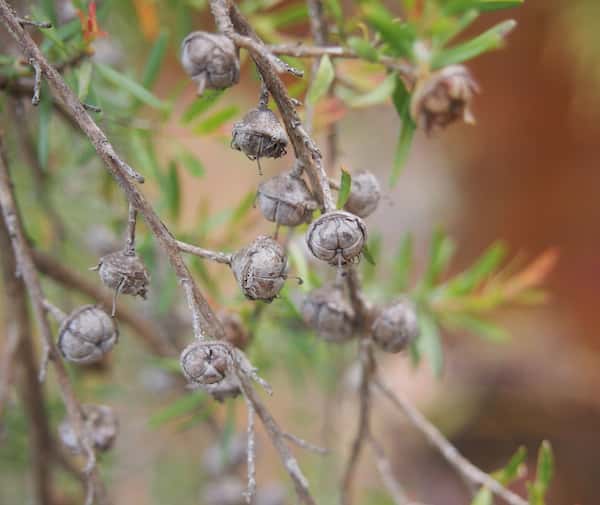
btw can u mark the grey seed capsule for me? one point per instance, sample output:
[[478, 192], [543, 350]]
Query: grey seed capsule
[[337, 237], [365, 194], [286, 200], [100, 427], [211, 60], [205, 363], [124, 272], [259, 135], [329, 314], [86, 335], [235, 333], [396, 326], [260, 269]]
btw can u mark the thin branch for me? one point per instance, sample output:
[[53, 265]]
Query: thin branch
[[37, 82], [71, 279], [251, 455], [216, 256], [385, 472], [207, 323], [130, 231], [36, 24], [303, 444], [30, 278], [446, 449]]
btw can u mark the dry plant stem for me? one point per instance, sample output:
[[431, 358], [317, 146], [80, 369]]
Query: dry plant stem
[[205, 320], [72, 279], [367, 369], [278, 440], [30, 277], [300, 442], [251, 455], [216, 256], [37, 81], [228, 20], [130, 232], [446, 449], [385, 472]]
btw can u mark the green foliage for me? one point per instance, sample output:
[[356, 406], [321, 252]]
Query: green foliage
[[322, 81], [545, 471], [345, 187]]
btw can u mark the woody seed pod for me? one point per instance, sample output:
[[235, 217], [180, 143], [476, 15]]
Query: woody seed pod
[[337, 237], [396, 326], [124, 272], [211, 60], [204, 362], [260, 269], [235, 333], [286, 200], [86, 335], [259, 135], [100, 426], [443, 97], [365, 193], [326, 311]]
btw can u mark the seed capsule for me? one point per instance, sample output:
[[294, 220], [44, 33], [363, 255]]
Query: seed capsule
[[286, 200], [337, 237], [86, 335], [365, 193], [259, 135], [235, 333], [396, 326], [443, 97], [211, 60], [100, 427], [205, 363], [326, 311], [260, 269]]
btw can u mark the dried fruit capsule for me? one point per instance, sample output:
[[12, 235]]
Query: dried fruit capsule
[[260, 269], [443, 97], [259, 135], [235, 333], [337, 237], [326, 311], [286, 200], [365, 193], [87, 334], [204, 363], [211, 60], [100, 426], [396, 326]]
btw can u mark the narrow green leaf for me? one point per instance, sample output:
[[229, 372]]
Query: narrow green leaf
[[407, 133], [478, 327], [43, 137], [377, 95], [201, 105], [323, 79], [288, 16], [483, 497], [545, 465], [363, 48], [49, 12], [458, 6], [172, 190], [344, 191], [155, 60], [216, 120], [429, 343], [491, 39], [368, 256], [185, 405], [441, 251], [193, 165], [443, 33], [403, 263], [374, 246], [473, 276], [84, 79], [145, 157], [513, 468], [137, 90], [399, 36]]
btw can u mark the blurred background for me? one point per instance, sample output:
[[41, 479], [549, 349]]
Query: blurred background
[[525, 174]]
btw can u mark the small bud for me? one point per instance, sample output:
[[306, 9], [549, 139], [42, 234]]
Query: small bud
[[260, 269], [235, 333], [86, 335], [211, 60], [260, 135], [365, 193], [396, 326], [124, 272], [286, 200], [326, 311], [205, 362], [100, 426], [443, 97], [337, 237]]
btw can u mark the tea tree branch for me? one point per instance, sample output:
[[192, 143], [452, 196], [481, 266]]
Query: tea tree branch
[[216, 256]]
